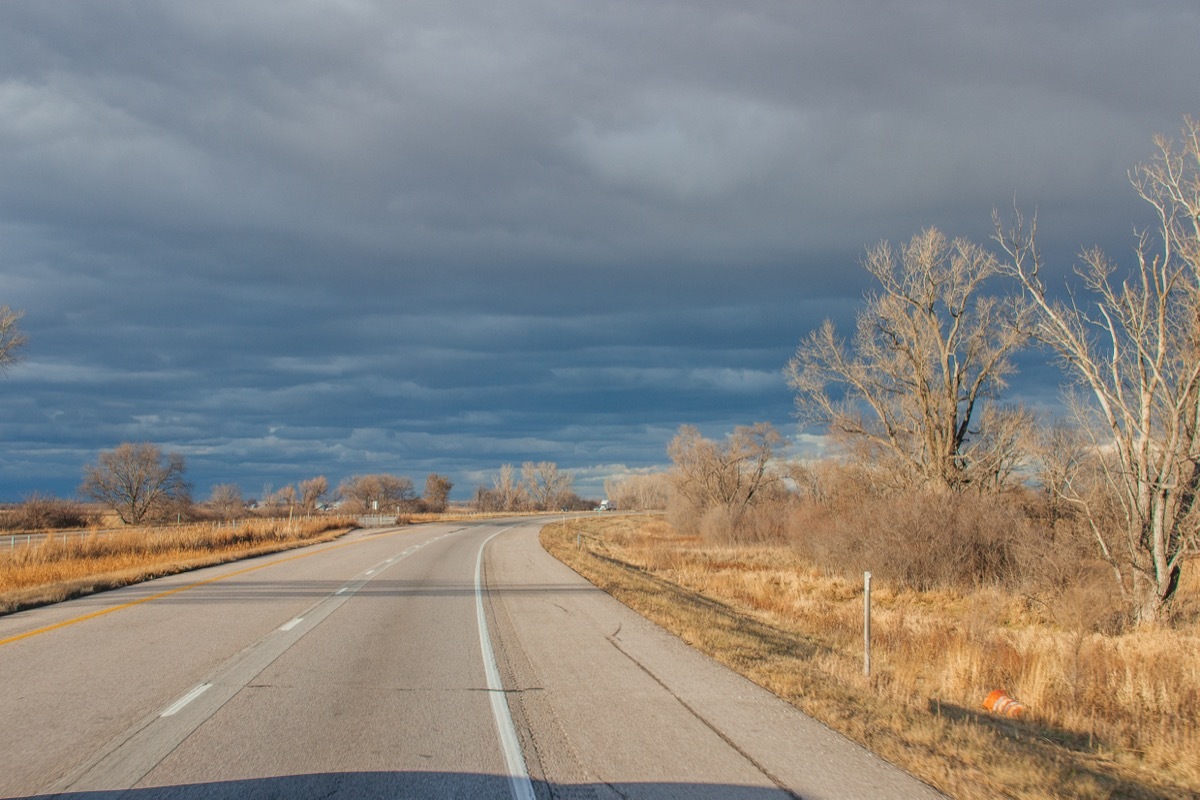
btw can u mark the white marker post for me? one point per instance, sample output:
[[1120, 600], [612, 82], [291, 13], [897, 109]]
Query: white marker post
[[867, 624]]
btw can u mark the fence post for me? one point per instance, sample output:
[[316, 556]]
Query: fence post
[[867, 624]]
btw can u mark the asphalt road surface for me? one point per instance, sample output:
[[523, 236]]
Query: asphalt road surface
[[455, 660]]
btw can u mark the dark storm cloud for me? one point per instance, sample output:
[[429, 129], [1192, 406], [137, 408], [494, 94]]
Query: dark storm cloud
[[337, 237]]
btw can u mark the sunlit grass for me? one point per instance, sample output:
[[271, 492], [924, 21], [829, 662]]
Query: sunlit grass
[[66, 566], [1108, 715]]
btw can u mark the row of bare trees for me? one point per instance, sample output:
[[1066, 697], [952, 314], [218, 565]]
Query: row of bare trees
[[142, 484], [638, 492], [377, 492], [913, 395], [913, 400], [540, 486], [306, 497]]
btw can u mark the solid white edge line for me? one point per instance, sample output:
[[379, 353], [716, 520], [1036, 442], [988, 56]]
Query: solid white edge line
[[179, 704], [518, 774]]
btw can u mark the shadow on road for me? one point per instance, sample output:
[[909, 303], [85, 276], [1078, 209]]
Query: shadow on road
[[461, 786]]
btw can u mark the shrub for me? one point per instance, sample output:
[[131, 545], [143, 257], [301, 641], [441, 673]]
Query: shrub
[[43, 512], [721, 525], [923, 541]]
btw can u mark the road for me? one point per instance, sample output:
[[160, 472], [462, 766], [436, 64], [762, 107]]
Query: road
[[455, 660]]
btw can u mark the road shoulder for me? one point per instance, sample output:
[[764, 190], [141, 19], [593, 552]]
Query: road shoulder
[[565, 643]]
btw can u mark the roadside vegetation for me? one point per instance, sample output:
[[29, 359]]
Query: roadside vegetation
[[914, 396], [1109, 713], [69, 565], [1052, 559], [539, 486]]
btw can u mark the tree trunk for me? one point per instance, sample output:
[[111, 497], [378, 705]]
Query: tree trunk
[[1152, 596]]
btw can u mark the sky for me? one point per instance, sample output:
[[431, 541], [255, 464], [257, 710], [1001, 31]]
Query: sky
[[344, 237]]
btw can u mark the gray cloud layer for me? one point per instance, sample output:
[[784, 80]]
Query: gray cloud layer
[[337, 237]]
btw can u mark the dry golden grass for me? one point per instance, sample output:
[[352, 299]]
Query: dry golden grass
[[72, 565], [1108, 716]]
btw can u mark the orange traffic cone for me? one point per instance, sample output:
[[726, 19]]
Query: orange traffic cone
[[1000, 703]]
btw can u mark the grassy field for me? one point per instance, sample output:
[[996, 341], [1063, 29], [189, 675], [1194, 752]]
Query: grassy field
[[68, 566], [1107, 715]]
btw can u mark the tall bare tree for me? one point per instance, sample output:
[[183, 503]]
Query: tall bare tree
[[485, 499], [930, 348], [507, 493], [226, 501], [11, 338], [1134, 346], [730, 474], [545, 484], [281, 500], [437, 492], [137, 481], [311, 492], [1061, 451]]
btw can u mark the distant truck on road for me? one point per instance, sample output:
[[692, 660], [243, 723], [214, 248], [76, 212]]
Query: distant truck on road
[[606, 506]]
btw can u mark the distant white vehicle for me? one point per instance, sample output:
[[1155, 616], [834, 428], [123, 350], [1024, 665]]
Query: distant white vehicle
[[606, 506]]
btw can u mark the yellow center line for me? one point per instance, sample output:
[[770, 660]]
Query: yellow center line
[[102, 612]]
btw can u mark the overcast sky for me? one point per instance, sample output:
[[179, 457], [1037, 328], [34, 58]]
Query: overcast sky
[[302, 238]]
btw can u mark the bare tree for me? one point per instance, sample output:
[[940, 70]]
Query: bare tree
[[545, 484], [437, 492], [11, 338], [286, 497], [485, 499], [929, 349], [1003, 443], [1060, 451], [508, 495], [1134, 347], [137, 481], [311, 492], [280, 500], [729, 475], [226, 501], [639, 492], [383, 493]]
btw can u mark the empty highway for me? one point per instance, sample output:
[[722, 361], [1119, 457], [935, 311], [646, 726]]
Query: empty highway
[[451, 660]]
